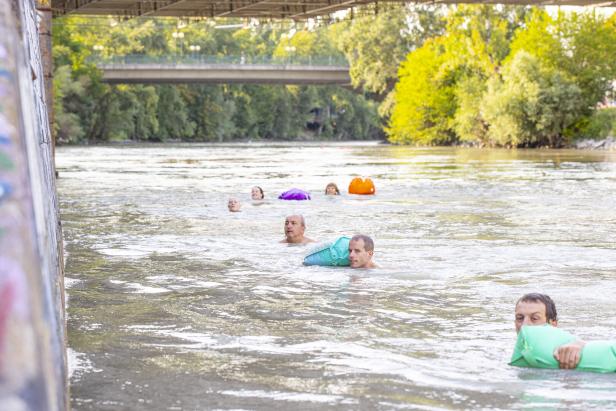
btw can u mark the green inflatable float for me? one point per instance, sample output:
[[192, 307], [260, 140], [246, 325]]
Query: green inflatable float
[[536, 344], [330, 254]]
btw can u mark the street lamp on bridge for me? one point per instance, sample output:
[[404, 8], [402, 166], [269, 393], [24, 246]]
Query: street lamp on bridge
[[98, 50], [178, 35], [194, 48]]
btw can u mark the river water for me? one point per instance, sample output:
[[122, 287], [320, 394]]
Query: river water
[[176, 304]]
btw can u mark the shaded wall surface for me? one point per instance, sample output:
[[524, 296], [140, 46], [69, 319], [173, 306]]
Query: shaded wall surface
[[32, 326]]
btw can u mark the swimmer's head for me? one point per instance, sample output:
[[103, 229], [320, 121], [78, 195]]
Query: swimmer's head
[[257, 193], [234, 205], [332, 190], [294, 228], [361, 250], [535, 309]]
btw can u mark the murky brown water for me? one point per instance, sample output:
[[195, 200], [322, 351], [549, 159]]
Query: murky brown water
[[177, 304]]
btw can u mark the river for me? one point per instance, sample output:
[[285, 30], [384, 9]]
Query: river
[[176, 304]]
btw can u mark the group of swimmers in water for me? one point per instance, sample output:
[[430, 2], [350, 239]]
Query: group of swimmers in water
[[257, 194], [531, 309], [361, 247]]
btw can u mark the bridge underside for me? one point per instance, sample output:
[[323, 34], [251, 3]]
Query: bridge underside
[[291, 9]]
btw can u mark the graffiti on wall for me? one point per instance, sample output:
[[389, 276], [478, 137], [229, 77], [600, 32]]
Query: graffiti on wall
[[18, 354], [6, 128], [17, 343]]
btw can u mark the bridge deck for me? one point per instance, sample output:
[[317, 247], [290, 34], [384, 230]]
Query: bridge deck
[[224, 73], [293, 9]]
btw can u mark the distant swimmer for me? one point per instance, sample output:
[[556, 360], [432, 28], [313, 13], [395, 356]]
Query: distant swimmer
[[234, 205], [332, 190], [539, 309], [361, 250], [294, 227], [257, 193]]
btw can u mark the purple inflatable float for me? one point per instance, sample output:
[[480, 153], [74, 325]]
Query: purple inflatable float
[[294, 194]]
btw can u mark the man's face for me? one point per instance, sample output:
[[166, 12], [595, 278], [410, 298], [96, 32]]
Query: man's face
[[358, 256], [233, 205], [293, 228], [530, 313]]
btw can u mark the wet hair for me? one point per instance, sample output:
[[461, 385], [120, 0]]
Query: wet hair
[[368, 243], [332, 185], [261, 190], [550, 307]]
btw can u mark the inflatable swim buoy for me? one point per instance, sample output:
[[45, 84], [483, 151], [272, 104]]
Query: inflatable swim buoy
[[536, 344], [330, 254], [295, 194], [360, 186]]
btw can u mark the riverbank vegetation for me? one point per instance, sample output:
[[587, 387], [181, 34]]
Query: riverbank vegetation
[[477, 75]]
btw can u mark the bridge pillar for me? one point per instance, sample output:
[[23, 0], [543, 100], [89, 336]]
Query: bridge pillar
[[45, 15]]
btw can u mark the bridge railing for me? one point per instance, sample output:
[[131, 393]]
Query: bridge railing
[[167, 60]]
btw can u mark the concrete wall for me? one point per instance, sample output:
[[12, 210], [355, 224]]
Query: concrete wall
[[32, 325]]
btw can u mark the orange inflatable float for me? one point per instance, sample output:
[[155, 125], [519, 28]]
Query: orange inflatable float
[[361, 186]]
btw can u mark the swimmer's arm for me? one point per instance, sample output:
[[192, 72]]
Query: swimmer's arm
[[569, 355]]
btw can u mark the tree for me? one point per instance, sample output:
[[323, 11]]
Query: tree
[[531, 106], [582, 46], [172, 115], [425, 98], [375, 45]]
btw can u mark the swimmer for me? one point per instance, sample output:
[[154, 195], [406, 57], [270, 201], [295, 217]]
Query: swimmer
[[234, 205], [332, 190], [539, 309], [361, 250], [294, 227], [257, 193]]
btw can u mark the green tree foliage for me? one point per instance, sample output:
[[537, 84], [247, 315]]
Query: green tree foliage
[[87, 109], [531, 105], [425, 101], [505, 76], [66, 126], [473, 74], [376, 45], [172, 114], [441, 82]]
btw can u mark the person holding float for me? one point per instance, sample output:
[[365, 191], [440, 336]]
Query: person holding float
[[294, 228], [356, 252], [541, 344]]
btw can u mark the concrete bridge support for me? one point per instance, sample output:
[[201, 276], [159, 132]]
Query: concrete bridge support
[[33, 372]]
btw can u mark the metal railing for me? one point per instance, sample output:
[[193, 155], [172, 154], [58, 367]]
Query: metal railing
[[334, 61]]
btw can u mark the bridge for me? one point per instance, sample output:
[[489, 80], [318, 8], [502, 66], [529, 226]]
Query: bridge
[[286, 9], [143, 69]]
